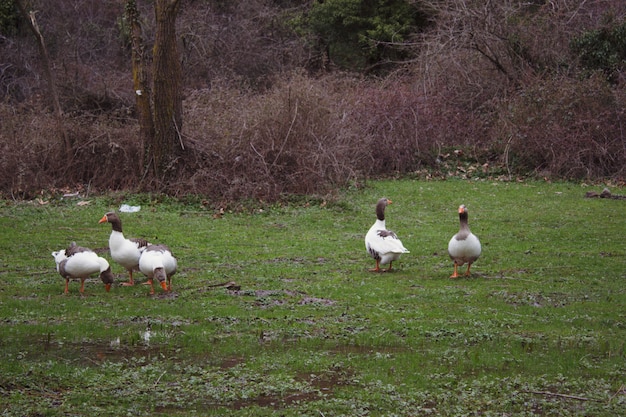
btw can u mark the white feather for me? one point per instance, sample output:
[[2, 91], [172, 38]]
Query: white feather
[[124, 251], [467, 250], [83, 264], [388, 248], [153, 259], [382, 244]]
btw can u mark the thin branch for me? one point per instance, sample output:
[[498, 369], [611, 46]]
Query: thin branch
[[280, 151], [621, 390], [29, 16], [570, 397], [159, 379], [180, 136]]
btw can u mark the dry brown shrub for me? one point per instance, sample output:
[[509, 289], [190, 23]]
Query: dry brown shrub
[[310, 135], [513, 96], [291, 139], [484, 90], [104, 155], [248, 42], [566, 128]]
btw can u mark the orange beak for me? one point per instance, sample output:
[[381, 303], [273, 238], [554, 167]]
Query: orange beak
[[103, 219], [164, 286], [389, 201], [107, 287], [461, 209]]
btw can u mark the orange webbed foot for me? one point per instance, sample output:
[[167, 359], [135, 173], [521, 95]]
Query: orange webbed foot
[[377, 269], [456, 272]]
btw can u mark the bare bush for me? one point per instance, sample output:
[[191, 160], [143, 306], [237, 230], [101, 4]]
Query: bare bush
[[287, 140], [484, 89], [246, 42], [310, 135], [513, 95], [104, 153], [566, 128]]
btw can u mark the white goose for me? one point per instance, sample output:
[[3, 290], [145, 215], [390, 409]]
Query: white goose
[[464, 247], [125, 252], [157, 261], [79, 262], [383, 245]]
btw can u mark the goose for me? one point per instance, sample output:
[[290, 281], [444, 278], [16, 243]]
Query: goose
[[464, 247], [157, 261], [383, 245], [124, 251], [80, 262]]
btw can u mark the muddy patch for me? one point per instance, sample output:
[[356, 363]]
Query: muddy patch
[[538, 300], [322, 385], [268, 298]]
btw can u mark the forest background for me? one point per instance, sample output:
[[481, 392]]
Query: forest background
[[284, 97]]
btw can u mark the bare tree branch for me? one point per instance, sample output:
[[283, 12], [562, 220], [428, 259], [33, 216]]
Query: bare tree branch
[[29, 16]]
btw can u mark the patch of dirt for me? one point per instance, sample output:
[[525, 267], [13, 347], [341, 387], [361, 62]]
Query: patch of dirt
[[534, 299], [315, 300], [323, 386], [231, 362], [170, 295], [273, 297]]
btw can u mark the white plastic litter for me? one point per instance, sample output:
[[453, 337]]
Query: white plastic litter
[[125, 208]]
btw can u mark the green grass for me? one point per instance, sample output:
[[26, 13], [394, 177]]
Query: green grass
[[538, 330]]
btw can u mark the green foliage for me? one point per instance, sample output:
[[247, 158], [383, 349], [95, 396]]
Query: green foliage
[[602, 49], [9, 17], [358, 33]]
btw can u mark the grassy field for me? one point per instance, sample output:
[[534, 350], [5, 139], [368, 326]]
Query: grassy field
[[538, 330]]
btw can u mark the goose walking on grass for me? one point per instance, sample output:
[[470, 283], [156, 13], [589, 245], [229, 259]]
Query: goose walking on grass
[[464, 247], [79, 263], [157, 262], [383, 245], [125, 252]]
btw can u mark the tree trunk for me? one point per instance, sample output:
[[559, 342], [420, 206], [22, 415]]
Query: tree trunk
[[141, 83], [166, 144]]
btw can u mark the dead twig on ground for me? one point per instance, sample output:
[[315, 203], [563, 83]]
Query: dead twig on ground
[[556, 394]]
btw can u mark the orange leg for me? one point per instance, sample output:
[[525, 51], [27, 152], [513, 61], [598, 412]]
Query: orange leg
[[456, 273], [377, 269], [82, 285], [67, 285], [151, 286], [130, 282], [467, 273], [169, 284], [389, 269]]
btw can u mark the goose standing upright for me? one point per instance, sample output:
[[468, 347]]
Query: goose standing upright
[[383, 245], [464, 247], [157, 261], [79, 262], [124, 251]]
